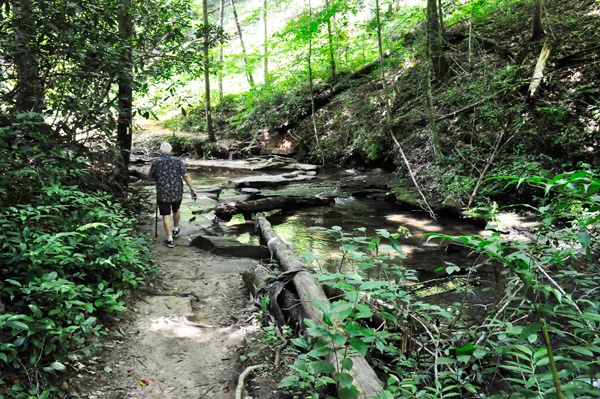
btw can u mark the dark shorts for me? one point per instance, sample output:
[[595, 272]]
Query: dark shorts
[[165, 207]]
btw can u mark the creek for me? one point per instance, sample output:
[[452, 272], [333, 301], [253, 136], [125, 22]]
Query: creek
[[349, 212]]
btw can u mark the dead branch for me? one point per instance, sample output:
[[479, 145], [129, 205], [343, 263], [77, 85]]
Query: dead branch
[[240, 387]]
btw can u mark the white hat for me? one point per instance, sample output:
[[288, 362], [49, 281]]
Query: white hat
[[166, 148]]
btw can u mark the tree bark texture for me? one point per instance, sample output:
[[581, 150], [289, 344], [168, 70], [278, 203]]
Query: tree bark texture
[[308, 289], [125, 84], [209, 126], [226, 211], [537, 30], [434, 39], [239, 30]]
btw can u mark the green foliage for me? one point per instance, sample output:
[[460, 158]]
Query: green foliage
[[542, 334], [68, 255]]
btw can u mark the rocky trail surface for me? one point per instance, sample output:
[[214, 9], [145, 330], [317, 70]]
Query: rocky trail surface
[[185, 330]]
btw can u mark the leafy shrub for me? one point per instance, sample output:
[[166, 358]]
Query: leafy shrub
[[68, 255], [540, 338]]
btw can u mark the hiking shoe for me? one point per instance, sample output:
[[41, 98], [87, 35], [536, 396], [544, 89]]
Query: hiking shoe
[[169, 244], [176, 233]]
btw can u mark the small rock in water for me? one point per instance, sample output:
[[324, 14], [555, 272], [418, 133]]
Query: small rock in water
[[249, 190]]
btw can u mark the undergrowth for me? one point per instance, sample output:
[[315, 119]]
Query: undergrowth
[[69, 253]]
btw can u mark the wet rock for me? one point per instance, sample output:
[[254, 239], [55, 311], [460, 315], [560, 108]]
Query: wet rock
[[208, 189], [226, 246], [267, 181], [333, 214], [306, 167]]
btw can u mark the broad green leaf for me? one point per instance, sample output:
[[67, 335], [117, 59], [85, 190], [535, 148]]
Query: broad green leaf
[[347, 364], [58, 366], [322, 367], [359, 345], [530, 329], [344, 378]]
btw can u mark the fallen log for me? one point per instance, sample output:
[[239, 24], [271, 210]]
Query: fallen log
[[308, 288], [227, 210], [539, 68]]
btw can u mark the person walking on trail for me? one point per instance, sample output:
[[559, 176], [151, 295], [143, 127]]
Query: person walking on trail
[[168, 171]]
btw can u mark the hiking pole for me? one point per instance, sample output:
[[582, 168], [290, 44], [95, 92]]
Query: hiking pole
[[156, 220]]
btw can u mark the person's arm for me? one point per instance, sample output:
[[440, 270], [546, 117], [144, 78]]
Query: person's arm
[[188, 181]]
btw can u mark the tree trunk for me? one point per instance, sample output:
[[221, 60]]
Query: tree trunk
[[227, 210], [440, 13], [30, 88], [266, 44], [239, 29], [308, 289], [310, 83], [220, 74], [537, 30], [434, 39], [125, 85], [209, 126], [331, 52]]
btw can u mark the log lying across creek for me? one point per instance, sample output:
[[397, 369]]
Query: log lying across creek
[[308, 288], [225, 211]]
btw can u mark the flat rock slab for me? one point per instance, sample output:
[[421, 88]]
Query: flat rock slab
[[238, 164], [208, 189], [268, 181], [227, 246], [249, 190]]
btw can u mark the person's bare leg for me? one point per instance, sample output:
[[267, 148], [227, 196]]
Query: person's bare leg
[[167, 224], [176, 217]]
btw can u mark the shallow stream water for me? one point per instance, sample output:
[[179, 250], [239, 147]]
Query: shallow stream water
[[349, 213]]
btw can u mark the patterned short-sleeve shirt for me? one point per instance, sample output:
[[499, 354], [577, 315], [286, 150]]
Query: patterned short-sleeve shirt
[[168, 170]]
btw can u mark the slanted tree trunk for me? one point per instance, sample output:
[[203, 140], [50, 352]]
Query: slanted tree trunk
[[265, 44], [538, 74], [239, 30], [310, 83], [125, 85], [435, 39], [209, 126], [537, 30], [30, 88], [220, 74]]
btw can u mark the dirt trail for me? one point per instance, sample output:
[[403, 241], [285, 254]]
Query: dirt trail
[[185, 332]]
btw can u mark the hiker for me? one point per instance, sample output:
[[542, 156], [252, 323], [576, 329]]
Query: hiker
[[168, 171]]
